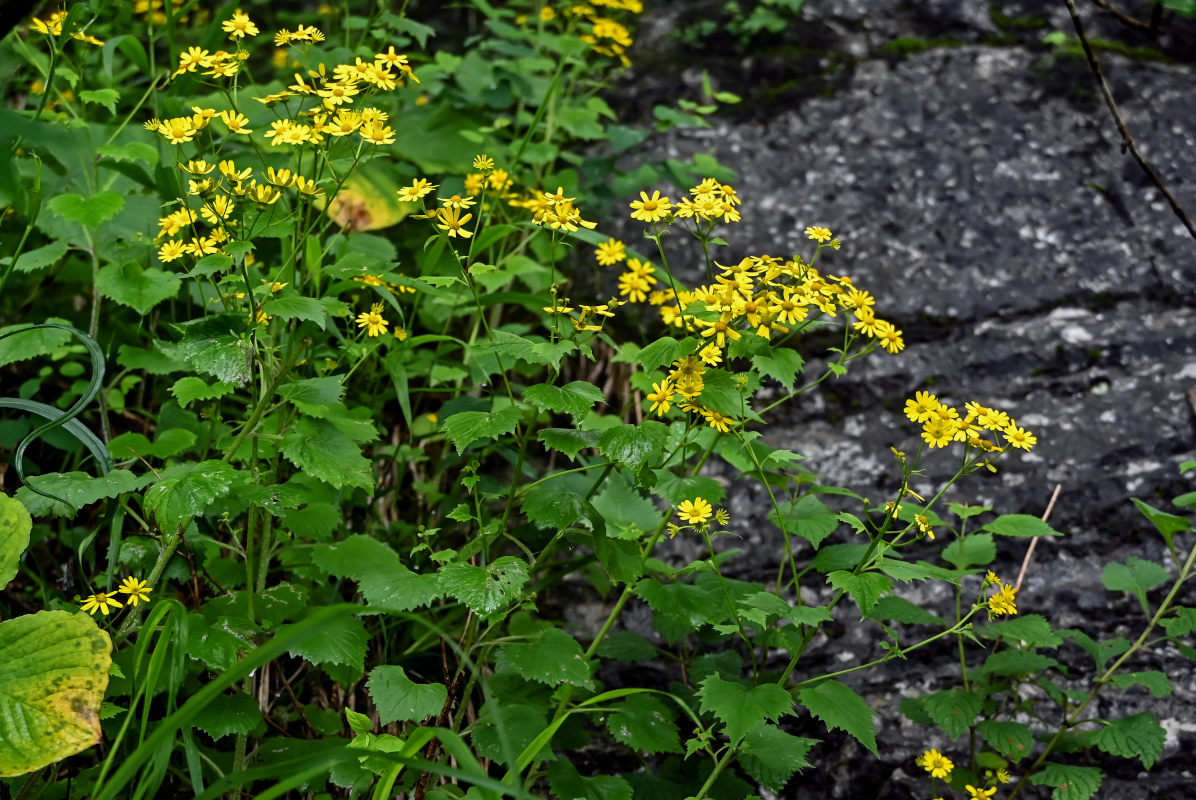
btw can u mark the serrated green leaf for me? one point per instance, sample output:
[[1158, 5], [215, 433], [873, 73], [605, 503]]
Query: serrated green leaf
[[15, 525], [104, 97], [627, 646], [485, 590], [140, 289], [782, 365], [129, 151], [627, 512], [1183, 623], [901, 610], [1139, 736], [190, 389], [664, 350], [646, 724], [565, 781], [838, 706], [466, 427], [1014, 740], [953, 710], [629, 445], [90, 212], [772, 756], [307, 309], [740, 708], [503, 731], [32, 343], [167, 443], [1019, 525], [212, 345], [675, 489], [212, 645], [55, 673], [808, 517], [343, 644], [696, 604], [228, 713], [323, 451], [973, 550], [1028, 630], [1136, 576], [1167, 524], [79, 489], [1070, 783], [400, 699], [1102, 651], [574, 399], [537, 353], [185, 491], [1017, 662], [39, 258], [384, 582], [865, 589], [551, 657], [314, 396], [1156, 682], [568, 440], [620, 558], [552, 508]]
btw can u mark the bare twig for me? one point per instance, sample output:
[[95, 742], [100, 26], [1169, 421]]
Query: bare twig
[[1125, 19], [1034, 542], [1127, 141]]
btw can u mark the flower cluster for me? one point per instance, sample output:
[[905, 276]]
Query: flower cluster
[[1003, 602], [697, 513], [605, 35], [135, 591], [554, 210], [52, 26], [942, 424]]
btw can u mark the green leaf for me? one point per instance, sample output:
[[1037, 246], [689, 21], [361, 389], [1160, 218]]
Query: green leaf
[[485, 590], [865, 589], [552, 508], [1017, 662], [400, 699], [39, 258], [79, 489], [1183, 623], [1136, 576], [1021, 525], [565, 781], [838, 706], [130, 151], [314, 396], [323, 451], [629, 445], [782, 365], [740, 708], [503, 731], [212, 645], [953, 710], [384, 582], [646, 724], [627, 646], [568, 440], [1139, 736], [1070, 783], [167, 443], [185, 491], [104, 97], [210, 265], [664, 350], [537, 353], [628, 513], [808, 517], [551, 657], [212, 345], [89, 212], [31, 343], [1029, 630], [1156, 682], [1167, 524], [772, 756], [974, 550], [343, 644], [229, 713], [1014, 740], [1185, 7], [1101, 652], [307, 309], [696, 604], [901, 610], [190, 389], [55, 673], [15, 525], [466, 427], [574, 399]]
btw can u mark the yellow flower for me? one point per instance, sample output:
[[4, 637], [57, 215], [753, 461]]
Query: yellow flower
[[177, 130], [818, 233], [457, 201], [171, 251], [372, 321], [610, 252], [694, 511], [449, 220], [137, 590], [651, 209], [377, 133], [1019, 437], [719, 422], [1004, 602], [236, 122], [483, 162], [239, 26], [660, 397], [101, 602], [934, 762], [922, 407], [722, 516], [979, 794], [417, 190]]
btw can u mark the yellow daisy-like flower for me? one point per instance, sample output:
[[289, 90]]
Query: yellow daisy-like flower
[[720, 422], [938, 431], [137, 590], [457, 201], [417, 190], [1004, 602], [171, 251], [451, 221], [722, 516], [651, 209], [1019, 437], [695, 511], [372, 321], [818, 233], [937, 764], [177, 130], [610, 252], [236, 122], [239, 26], [377, 133], [661, 397], [922, 407], [979, 794], [103, 602], [483, 162]]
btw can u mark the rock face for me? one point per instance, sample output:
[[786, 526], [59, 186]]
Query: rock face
[[976, 180]]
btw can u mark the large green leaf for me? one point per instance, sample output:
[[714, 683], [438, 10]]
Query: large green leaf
[[485, 590], [467, 427], [78, 489], [15, 524], [89, 211], [1139, 736], [140, 289], [185, 491], [1136, 576], [400, 699], [771, 756], [53, 673], [838, 706], [1069, 782], [384, 581], [741, 708], [322, 450], [645, 723], [551, 657]]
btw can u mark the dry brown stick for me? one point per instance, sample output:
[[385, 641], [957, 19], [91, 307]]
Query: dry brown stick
[[1127, 141], [1126, 19], [1034, 542]]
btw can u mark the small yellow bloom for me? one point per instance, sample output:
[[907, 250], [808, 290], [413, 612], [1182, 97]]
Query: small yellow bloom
[[236, 122], [651, 209], [102, 602], [416, 191], [937, 764], [372, 321], [239, 26], [818, 233], [137, 590], [979, 794], [695, 511], [611, 252], [483, 162]]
